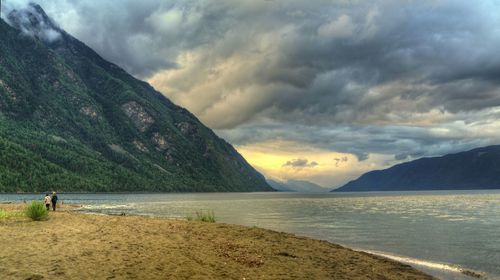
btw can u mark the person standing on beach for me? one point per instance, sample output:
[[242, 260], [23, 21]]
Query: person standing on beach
[[54, 201], [47, 201]]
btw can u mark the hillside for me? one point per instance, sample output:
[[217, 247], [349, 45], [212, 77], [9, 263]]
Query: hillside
[[71, 121], [475, 169]]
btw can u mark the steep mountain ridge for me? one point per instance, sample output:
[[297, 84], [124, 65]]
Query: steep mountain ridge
[[82, 123], [475, 169]]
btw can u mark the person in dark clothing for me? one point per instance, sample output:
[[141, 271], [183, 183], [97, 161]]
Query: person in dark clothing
[[54, 201]]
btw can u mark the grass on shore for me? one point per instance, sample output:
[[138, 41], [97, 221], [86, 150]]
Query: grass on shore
[[4, 214], [202, 216], [37, 211]]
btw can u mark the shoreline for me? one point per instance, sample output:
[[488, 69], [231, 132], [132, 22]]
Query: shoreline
[[423, 265], [155, 248], [432, 268], [444, 267]]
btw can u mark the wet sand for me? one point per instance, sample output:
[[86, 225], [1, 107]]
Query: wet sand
[[72, 245]]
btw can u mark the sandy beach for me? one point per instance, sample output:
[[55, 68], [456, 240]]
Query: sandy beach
[[72, 245]]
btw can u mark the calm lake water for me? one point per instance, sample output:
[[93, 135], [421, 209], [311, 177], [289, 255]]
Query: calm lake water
[[437, 232]]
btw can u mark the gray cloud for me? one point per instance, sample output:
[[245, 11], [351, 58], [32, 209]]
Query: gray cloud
[[314, 62], [404, 142], [300, 163], [32, 22], [340, 160]]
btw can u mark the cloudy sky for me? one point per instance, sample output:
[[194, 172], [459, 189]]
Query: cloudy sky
[[315, 90]]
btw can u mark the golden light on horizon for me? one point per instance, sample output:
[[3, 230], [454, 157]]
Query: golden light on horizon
[[282, 160]]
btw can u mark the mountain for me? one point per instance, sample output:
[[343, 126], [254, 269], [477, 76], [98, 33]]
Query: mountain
[[295, 186], [475, 169], [72, 121]]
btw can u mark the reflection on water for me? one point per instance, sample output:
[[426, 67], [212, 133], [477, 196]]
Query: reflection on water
[[460, 228]]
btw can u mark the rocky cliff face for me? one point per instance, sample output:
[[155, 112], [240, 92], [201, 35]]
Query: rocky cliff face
[[76, 122]]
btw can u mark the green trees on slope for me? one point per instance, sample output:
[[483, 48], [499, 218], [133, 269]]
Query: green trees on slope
[[63, 127]]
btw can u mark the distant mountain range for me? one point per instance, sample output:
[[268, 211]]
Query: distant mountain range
[[72, 121], [474, 169], [296, 186]]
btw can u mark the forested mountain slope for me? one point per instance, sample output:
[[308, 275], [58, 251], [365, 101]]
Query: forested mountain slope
[[71, 121], [475, 169]]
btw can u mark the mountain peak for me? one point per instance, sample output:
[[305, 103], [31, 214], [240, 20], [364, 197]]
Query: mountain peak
[[33, 21]]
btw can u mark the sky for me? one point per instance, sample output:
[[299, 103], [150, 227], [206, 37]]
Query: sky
[[311, 90]]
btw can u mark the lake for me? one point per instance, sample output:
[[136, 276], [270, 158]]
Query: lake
[[436, 232]]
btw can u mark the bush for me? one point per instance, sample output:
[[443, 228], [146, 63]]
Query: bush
[[201, 216], [37, 211]]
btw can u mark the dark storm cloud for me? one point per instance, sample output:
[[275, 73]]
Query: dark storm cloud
[[300, 163], [404, 142], [329, 57], [405, 78]]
